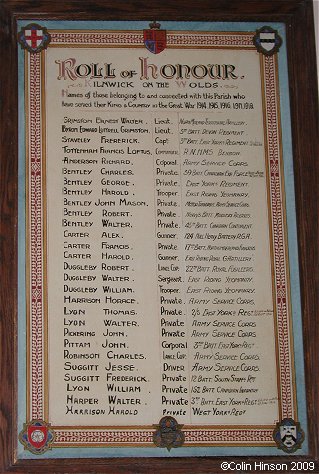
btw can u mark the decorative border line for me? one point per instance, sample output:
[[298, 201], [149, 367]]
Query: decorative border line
[[206, 437], [199, 437], [36, 240], [272, 121], [175, 40]]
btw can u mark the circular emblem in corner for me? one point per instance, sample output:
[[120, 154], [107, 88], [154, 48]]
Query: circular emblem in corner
[[34, 38], [267, 41], [288, 435]]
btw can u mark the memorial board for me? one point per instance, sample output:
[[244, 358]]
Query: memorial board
[[159, 303]]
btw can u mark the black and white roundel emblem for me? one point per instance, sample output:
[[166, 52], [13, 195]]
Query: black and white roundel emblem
[[288, 435], [267, 40]]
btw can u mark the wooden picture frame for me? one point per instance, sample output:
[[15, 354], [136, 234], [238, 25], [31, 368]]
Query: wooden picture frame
[[296, 17]]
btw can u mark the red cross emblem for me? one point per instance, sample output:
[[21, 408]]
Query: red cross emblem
[[34, 38]]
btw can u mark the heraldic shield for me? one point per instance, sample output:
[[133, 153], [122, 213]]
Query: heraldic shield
[[154, 38], [37, 436], [168, 433], [34, 38], [267, 41], [288, 435]]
